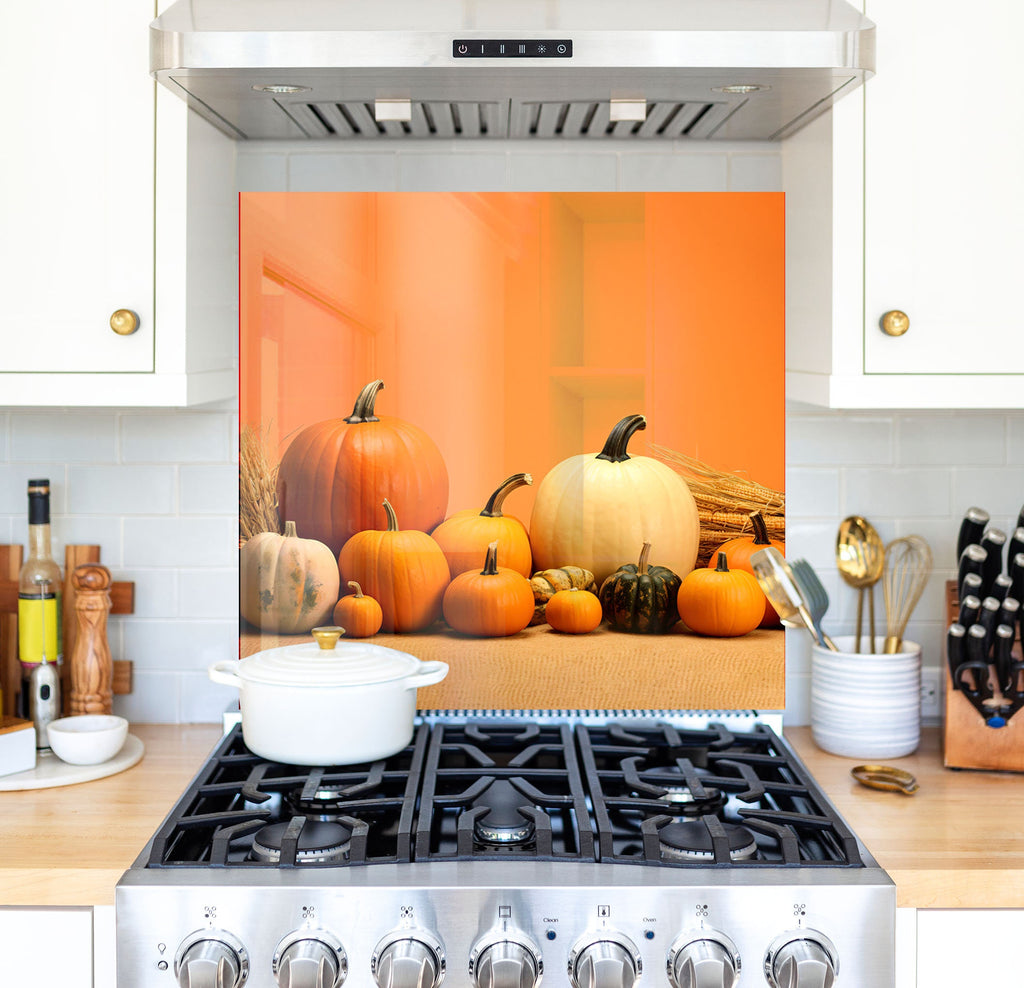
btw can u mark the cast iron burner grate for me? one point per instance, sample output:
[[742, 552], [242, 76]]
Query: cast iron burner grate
[[634, 790]]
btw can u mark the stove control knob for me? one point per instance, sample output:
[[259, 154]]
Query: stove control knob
[[409, 959], [609, 960], [705, 960], [505, 961], [310, 959], [801, 959], [211, 959]]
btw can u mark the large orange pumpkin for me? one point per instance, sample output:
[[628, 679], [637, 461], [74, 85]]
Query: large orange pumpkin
[[334, 475], [738, 552], [403, 570], [286, 584], [489, 603], [594, 509], [465, 536]]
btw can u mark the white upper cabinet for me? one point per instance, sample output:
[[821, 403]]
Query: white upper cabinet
[[99, 218], [907, 199]]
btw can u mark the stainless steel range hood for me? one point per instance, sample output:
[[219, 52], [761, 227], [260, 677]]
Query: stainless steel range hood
[[496, 69]]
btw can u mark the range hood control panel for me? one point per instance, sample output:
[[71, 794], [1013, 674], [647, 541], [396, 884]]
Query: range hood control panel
[[514, 48]]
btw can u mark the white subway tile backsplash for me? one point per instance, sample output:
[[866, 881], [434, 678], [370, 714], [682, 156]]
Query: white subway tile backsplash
[[965, 439], [1000, 491], [156, 591], [180, 542], [175, 437], [179, 645], [104, 531], [649, 172], [444, 172], [364, 172], [570, 171], [755, 172], [261, 172], [1015, 439], [203, 701], [5, 422], [155, 698], [115, 489], [75, 437], [896, 493], [209, 490], [812, 493], [210, 593], [14, 478], [846, 440]]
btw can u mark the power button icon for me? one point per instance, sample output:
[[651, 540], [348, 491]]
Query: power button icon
[[463, 49]]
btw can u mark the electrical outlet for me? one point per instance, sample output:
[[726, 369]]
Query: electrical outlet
[[931, 694]]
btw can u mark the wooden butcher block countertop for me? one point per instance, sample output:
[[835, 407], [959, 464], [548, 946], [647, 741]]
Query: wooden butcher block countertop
[[958, 843]]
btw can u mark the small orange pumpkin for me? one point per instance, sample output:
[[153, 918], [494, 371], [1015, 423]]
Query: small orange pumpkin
[[720, 602], [464, 536], [358, 614], [492, 603], [404, 571], [573, 611], [738, 552]]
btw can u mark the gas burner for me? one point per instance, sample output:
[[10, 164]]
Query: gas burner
[[691, 841], [682, 801], [502, 824], [327, 803], [319, 843]]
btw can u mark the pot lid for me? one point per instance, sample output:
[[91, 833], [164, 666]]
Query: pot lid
[[328, 662]]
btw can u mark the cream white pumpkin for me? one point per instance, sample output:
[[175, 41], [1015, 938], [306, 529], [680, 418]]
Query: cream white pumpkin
[[287, 584], [594, 509]]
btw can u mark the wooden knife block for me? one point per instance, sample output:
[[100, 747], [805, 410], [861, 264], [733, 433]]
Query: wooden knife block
[[122, 596], [967, 741]]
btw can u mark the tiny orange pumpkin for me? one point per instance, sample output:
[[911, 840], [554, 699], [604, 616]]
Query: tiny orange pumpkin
[[358, 614], [738, 552], [720, 602], [574, 611]]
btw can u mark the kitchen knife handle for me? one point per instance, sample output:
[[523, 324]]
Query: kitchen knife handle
[[1001, 586], [993, 542], [1016, 569], [1020, 518], [977, 662], [970, 608], [1016, 545], [1005, 635], [1009, 613], [956, 653], [971, 528], [972, 560], [988, 618]]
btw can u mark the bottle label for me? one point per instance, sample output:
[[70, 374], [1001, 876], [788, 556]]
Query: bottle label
[[39, 621]]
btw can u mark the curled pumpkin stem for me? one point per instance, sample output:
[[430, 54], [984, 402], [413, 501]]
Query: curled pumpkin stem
[[363, 410], [614, 448], [492, 509], [645, 552], [491, 562]]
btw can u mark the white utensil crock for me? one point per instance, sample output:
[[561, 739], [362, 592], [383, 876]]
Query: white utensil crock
[[304, 705]]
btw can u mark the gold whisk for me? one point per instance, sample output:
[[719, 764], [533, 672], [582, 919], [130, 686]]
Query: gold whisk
[[908, 564]]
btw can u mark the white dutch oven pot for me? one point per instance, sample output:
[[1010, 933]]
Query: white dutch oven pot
[[327, 702]]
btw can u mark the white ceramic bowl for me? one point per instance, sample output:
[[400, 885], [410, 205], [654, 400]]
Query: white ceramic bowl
[[88, 739]]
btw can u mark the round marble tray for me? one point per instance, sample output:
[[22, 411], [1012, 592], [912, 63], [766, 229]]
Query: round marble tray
[[50, 771]]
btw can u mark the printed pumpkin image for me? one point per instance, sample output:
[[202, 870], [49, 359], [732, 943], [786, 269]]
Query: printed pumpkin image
[[334, 474], [738, 552], [287, 584], [721, 602], [596, 508]]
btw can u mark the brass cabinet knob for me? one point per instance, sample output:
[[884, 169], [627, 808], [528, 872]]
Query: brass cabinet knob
[[895, 323], [124, 322]]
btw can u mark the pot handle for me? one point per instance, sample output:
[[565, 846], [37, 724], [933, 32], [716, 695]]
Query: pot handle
[[428, 674], [224, 672]]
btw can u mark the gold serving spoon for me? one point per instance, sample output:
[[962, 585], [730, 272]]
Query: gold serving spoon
[[860, 559]]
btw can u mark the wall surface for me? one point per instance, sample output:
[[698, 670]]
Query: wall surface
[[157, 490]]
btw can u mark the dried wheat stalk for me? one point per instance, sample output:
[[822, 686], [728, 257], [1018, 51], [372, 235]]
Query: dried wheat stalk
[[257, 488], [725, 501]]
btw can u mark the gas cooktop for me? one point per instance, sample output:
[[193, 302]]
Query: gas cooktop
[[493, 849]]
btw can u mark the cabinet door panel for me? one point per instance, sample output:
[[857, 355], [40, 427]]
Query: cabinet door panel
[[43, 946], [76, 187], [944, 204]]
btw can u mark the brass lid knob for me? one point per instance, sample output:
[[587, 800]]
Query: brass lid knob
[[327, 636], [124, 322], [895, 323]]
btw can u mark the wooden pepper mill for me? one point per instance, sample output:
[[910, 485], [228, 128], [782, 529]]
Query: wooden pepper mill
[[92, 670]]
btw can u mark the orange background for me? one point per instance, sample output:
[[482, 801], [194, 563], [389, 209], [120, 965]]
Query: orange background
[[516, 329]]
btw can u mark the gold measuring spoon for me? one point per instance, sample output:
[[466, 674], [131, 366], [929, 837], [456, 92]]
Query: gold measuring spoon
[[885, 777], [860, 559]]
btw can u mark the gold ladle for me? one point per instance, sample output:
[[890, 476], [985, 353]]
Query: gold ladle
[[860, 559]]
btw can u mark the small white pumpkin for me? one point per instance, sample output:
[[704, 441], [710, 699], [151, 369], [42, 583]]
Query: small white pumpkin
[[594, 509]]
